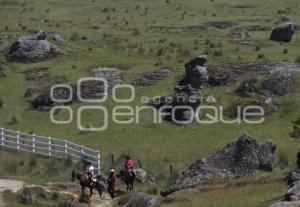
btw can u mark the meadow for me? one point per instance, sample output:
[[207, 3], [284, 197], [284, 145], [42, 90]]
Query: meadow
[[139, 36]]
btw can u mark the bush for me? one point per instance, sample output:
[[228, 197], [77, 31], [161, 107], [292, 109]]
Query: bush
[[257, 48], [25, 196], [75, 36], [1, 103], [260, 56], [285, 51], [218, 53], [297, 60], [14, 119], [283, 160]]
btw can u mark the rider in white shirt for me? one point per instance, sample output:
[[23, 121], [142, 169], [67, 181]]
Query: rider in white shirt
[[90, 170]]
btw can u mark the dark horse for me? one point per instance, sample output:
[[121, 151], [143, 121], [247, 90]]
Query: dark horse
[[84, 183], [128, 177]]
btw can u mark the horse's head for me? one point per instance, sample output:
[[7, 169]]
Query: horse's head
[[73, 176]]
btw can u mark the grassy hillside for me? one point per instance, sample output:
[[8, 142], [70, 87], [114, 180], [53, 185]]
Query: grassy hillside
[[142, 35]]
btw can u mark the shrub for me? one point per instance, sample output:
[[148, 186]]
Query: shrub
[[260, 56], [14, 119], [283, 160], [218, 53], [297, 60], [25, 196], [257, 48], [1, 103], [285, 51], [75, 36]]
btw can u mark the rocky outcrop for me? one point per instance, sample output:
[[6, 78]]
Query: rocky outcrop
[[283, 33], [43, 102], [113, 76], [195, 74], [277, 84], [292, 196], [179, 108], [241, 158], [222, 77], [140, 200], [33, 48], [248, 88], [151, 78]]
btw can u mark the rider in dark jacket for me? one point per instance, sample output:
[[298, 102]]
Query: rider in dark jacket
[[111, 181]]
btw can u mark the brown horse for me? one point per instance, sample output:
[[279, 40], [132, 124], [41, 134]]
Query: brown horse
[[84, 182], [128, 177]]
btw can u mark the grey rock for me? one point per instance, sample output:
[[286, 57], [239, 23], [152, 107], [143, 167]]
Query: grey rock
[[277, 84], [58, 38], [293, 193], [283, 33], [248, 88], [143, 176], [113, 76], [195, 74], [222, 77], [151, 78], [140, 200], [286, 204], [293, 177], [241, 158], [33, 48], [44, 102], [186, 96]]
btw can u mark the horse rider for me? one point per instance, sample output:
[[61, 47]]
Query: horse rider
[[128, 164], [90, 173], [111, 182]]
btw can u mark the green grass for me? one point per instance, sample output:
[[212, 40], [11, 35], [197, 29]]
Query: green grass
[[114, 42]]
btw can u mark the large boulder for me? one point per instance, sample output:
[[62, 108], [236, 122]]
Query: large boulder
[[33, 48], [293, 193], [283, 33], [139, 200], [195, 74], [151, 78], [293, 177], [241, 158]]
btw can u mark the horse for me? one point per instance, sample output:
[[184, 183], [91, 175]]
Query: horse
[[84, 182], [128, 177]]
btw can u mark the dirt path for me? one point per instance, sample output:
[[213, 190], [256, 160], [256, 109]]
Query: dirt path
[[2, 204], [14, 186]]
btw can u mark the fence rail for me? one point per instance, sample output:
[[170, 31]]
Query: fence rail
[[48, 146]]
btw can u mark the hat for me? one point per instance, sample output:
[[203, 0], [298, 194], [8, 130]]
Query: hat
[[112, 170]]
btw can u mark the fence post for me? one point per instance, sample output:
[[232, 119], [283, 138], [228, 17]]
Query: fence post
[[82, 152], [65, 148], [49, 146], [33, 143], [2, 137], [18, 140], [98, 159]]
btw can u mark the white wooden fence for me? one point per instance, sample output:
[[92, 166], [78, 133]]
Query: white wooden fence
[[48, 146]]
